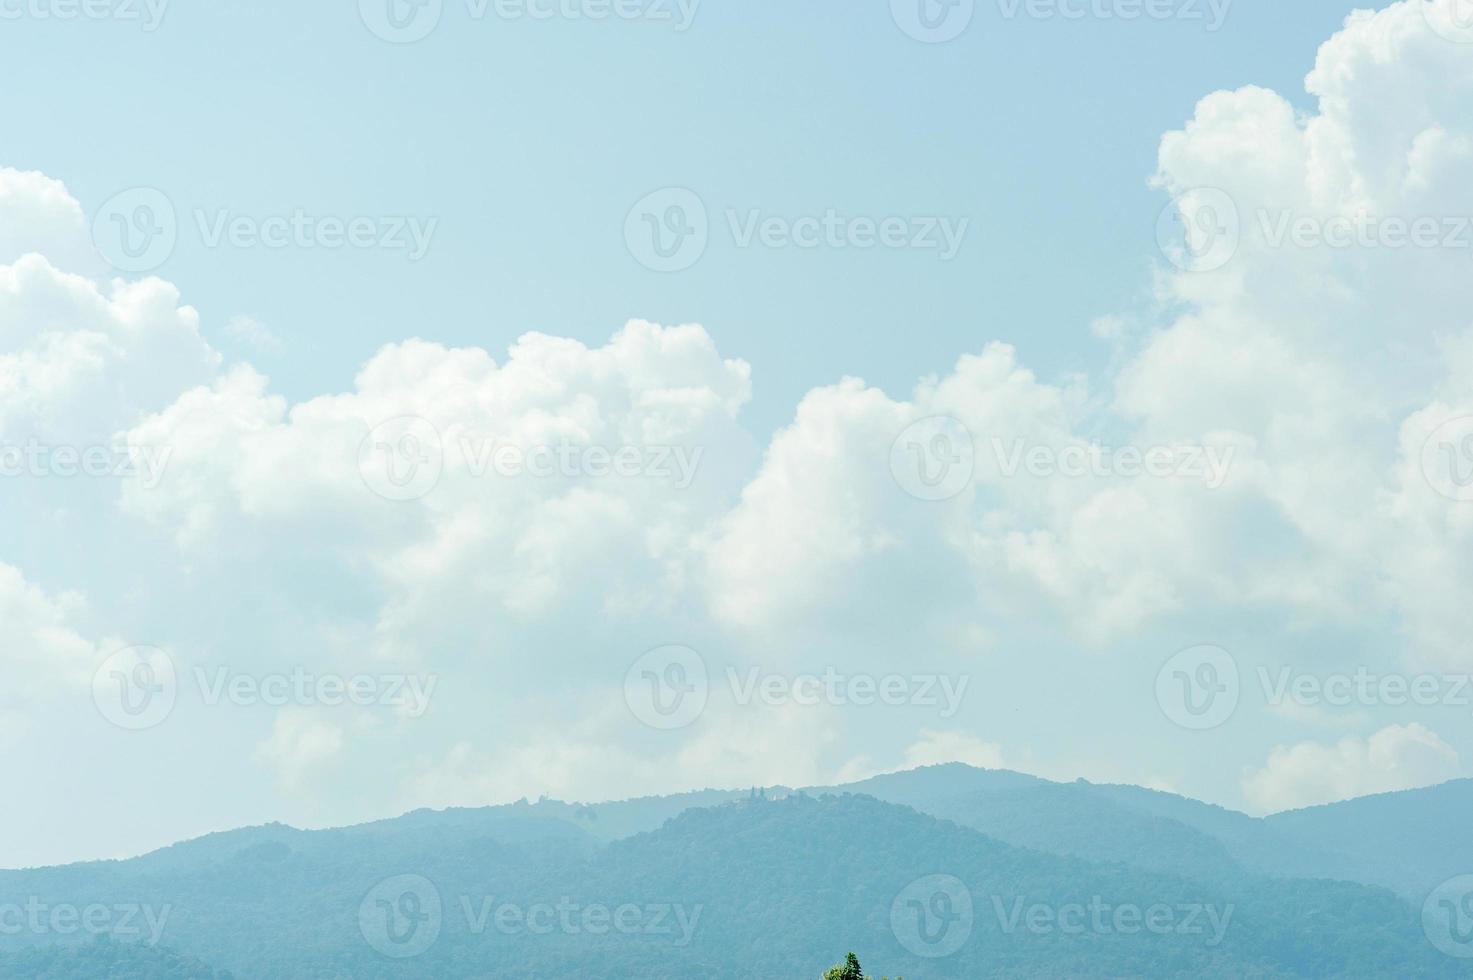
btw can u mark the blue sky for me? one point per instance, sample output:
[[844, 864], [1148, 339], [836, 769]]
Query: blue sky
[[530, 140], [1329, 383]]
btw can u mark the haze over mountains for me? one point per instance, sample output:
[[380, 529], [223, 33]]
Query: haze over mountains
[[946, 871]]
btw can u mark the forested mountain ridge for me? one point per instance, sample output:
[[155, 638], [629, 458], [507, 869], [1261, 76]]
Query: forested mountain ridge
[[752, 887]]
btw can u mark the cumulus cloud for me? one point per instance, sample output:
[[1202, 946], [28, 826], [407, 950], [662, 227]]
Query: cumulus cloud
[[44, 652], [604, 756], [301, 742], [1323, 357], [935, 748], [251, 333], [38, 215], [81, 361], [564, 475], [1272, 367], [1397, 757], [429, 512]]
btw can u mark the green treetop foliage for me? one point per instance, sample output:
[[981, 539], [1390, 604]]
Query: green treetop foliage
[[849, 970]]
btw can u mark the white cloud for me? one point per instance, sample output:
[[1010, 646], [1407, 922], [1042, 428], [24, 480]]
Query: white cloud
[[246, 465], [43, 651], [1397, 757], [604, 755], [1323, 371], [936, 748], [252, 333], [80, 360], [1278, 359], [38, 215], [301, 742]]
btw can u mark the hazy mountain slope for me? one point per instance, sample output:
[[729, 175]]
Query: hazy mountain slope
[[624, 818], [1250, 841], [930, 783], [105, 959], [1073, 820], [1410, 841], [414, 832]]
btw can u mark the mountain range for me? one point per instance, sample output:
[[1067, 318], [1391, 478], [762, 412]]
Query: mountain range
[[944, 872]]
